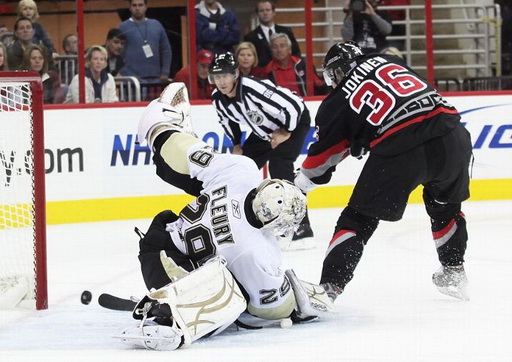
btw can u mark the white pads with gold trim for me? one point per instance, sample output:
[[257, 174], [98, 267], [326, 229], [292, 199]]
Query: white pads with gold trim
[[206, 300]]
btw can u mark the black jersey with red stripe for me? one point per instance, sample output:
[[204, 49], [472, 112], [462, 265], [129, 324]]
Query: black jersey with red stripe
[[381, 105]]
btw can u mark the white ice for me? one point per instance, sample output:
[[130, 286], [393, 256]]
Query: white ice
[[389, 312]]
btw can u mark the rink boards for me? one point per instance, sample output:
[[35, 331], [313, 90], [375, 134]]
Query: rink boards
[[96, 171]]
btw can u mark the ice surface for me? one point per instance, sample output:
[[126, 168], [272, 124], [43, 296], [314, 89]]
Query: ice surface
[[389, 312]]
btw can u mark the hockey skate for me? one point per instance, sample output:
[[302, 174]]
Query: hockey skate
[[302, 239], [452, 281], [333, 291]]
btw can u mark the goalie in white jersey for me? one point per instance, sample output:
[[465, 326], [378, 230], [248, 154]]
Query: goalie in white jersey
[[229, 230]]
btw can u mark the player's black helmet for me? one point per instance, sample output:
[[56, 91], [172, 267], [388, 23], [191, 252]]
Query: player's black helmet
[[222, 64], [338, 61]]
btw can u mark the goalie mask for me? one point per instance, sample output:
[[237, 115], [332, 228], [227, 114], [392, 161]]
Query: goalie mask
[[280, 206], [338, 62]]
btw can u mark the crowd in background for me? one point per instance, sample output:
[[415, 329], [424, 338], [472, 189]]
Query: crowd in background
[[140, 48]]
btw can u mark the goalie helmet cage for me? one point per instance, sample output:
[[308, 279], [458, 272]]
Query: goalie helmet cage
[[22, 191]]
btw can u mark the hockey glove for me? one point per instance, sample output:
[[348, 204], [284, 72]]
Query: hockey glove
[[311, 299], [358, 149]]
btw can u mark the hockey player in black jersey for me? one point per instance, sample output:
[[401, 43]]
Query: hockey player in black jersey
[[278, 119], [413, 136]]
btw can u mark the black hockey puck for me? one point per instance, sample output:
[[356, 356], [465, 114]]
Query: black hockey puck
[[86, 297]]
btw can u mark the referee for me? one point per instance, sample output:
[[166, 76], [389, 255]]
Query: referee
[[279, 121]]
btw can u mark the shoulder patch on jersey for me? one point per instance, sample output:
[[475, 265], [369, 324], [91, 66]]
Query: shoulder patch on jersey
[[268, 93]]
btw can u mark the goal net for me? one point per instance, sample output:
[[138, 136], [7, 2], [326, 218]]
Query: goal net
[[22, 192]]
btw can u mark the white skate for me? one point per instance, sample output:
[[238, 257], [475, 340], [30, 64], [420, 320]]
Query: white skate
[[151, 335], [452, 281]]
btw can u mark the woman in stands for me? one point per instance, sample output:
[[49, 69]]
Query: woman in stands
[[247, 59], [100, 86], [4, 64], [34, 60]]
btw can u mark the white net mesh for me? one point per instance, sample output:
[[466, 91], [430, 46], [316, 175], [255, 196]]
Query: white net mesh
[[17, 230]]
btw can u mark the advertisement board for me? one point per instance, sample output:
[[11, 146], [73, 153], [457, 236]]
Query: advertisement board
[[95, 169]]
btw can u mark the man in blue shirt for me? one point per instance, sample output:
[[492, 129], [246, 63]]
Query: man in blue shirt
[[217, 28], [147, 52]]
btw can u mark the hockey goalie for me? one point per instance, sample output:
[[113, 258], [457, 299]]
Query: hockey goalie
[[219, 256]]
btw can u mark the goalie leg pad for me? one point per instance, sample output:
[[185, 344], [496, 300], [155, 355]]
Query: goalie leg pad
[[205, 301], [12, 291], [158, 117], [169, 111]]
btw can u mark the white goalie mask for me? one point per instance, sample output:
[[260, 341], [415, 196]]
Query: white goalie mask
[[280, 206]]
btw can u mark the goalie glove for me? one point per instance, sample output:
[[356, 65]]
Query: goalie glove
[[304, 183], [312, 299], [171, 111]]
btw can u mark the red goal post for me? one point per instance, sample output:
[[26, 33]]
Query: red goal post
[[23, 273]]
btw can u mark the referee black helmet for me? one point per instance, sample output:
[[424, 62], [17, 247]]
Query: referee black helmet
[[223, 63]]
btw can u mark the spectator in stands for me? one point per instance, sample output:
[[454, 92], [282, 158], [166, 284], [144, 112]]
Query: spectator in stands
[[115, 44], [67, 64], [4, 63], [24, 32], [100, 86], [147, 53], [3, 29], [398, 29], [506, 37], [28, 9], [392, 51], [70, 44], [204, 88], [368, 28], [260, 37], [217, 28], [288, 71], [247, 59], [34, 60], [6, 37]]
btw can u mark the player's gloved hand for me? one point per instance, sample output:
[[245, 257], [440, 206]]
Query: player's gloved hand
[[311, 299], [304, 183], [358, 149]]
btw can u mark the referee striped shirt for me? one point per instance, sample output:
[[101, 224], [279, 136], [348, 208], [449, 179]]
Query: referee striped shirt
[[261, 105]]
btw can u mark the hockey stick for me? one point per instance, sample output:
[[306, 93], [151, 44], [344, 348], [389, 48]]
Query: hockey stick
[[112, 302]]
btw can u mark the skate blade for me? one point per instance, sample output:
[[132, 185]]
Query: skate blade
[[459, 293], [150, 342], [152, 337]]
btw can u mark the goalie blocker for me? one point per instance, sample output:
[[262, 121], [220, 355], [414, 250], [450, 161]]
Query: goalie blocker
[[205, 302]]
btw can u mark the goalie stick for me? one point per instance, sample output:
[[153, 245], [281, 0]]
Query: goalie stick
[[112, 302]]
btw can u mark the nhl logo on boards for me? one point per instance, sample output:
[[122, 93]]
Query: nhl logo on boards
[[255, 117]]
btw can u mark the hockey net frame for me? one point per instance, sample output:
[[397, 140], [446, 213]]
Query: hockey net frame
[[38, 207]]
